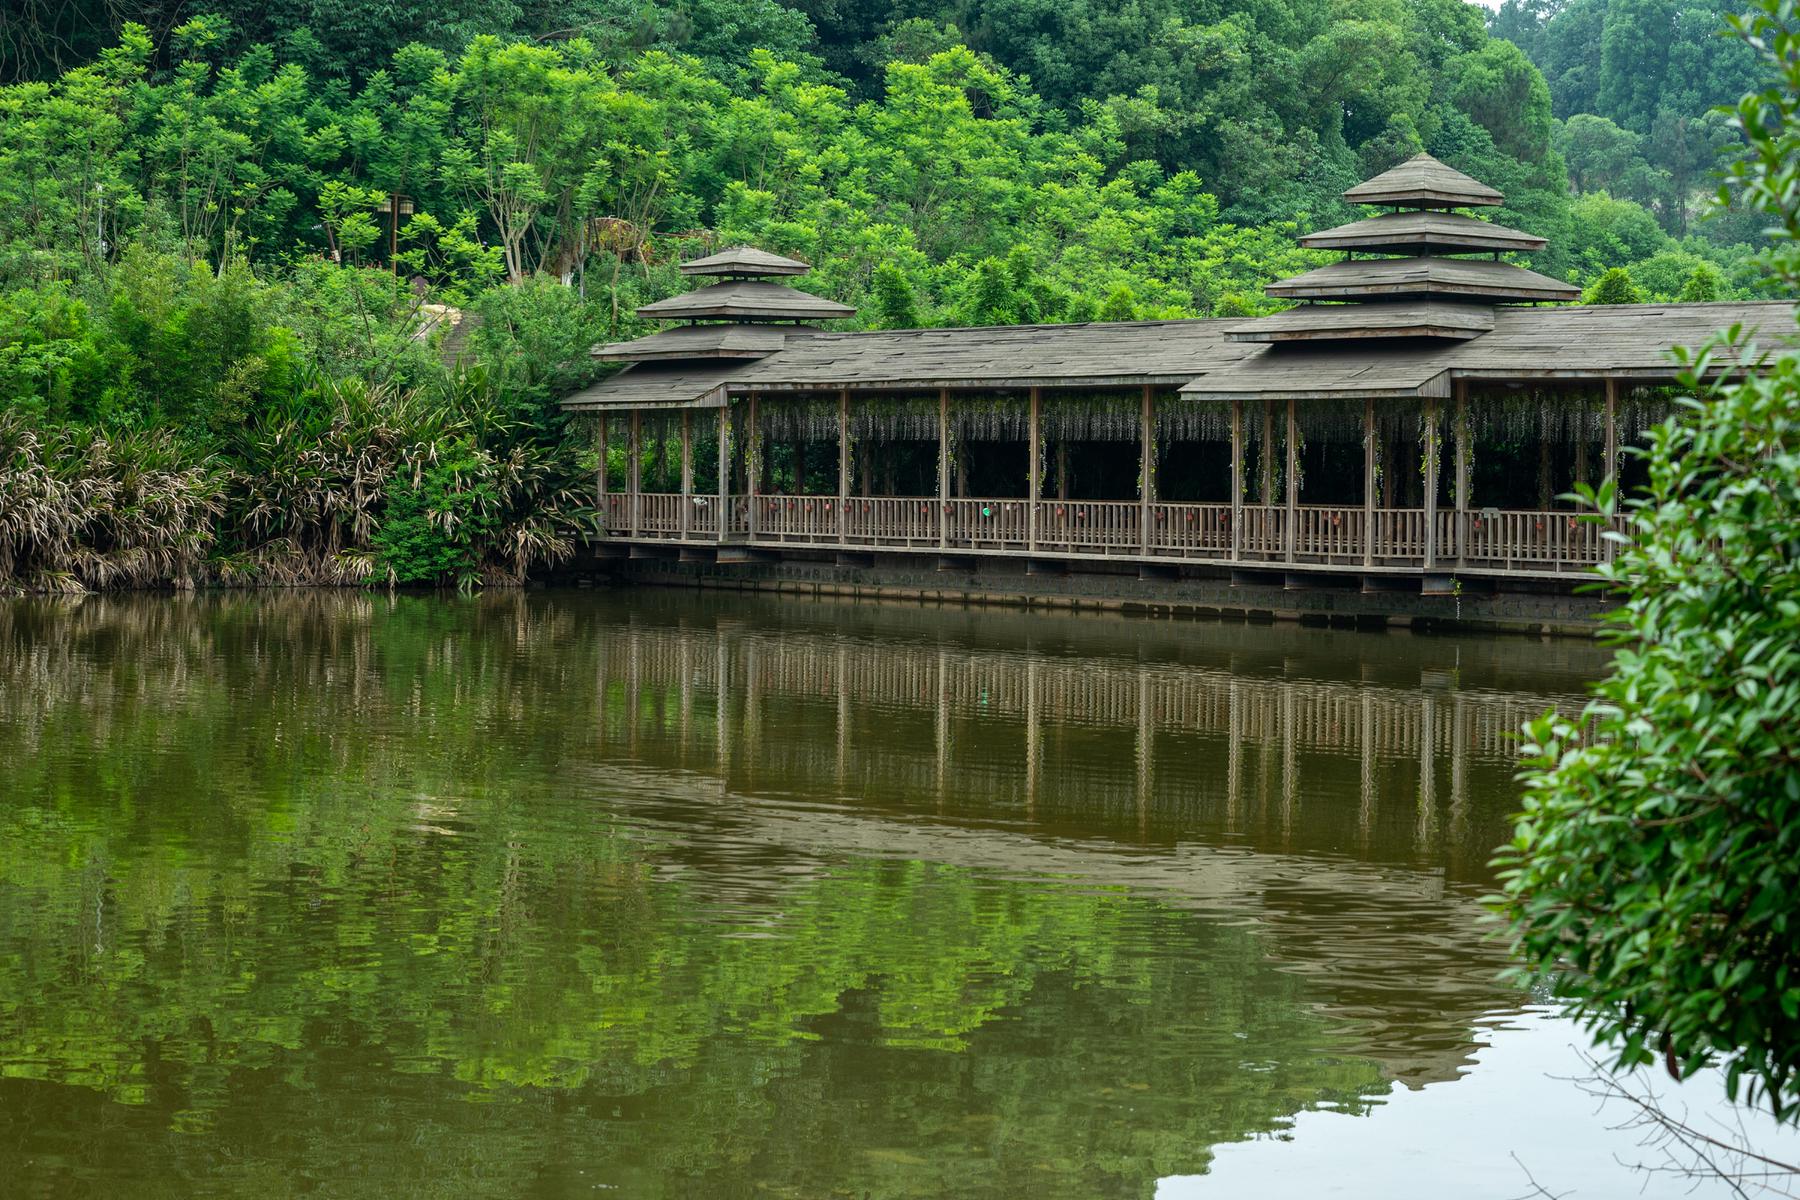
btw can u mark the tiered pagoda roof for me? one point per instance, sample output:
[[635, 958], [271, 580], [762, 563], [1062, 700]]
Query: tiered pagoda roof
[[750, 312], [1423, 291]]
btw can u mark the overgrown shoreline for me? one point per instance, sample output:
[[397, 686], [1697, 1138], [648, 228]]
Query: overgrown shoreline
[[224, 246]]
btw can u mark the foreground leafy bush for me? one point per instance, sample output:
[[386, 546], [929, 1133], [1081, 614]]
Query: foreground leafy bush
[[1655, 867]]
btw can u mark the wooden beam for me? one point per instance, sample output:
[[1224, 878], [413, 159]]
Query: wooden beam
[[634, 472], [1368, 482], [1146, 465], [1034, 487], [722, 517], [752, 465], [1265, 463], [943, 517], [1237, 478], [1431, 481], [600, 470], [1460, 482], [843, 497], [1610, 454], [687, 472], [1290, 530]]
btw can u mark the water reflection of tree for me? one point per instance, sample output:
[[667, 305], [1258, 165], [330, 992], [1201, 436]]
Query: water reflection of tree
[[290, 880]]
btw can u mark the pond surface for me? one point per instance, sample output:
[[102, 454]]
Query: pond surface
[[571, 893]]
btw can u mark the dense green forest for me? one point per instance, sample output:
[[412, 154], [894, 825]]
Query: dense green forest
[[214, 350]]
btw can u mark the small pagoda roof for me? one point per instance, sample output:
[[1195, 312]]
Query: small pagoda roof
[[1383, 319], [702, 341], [1423, 231], [1423, 182], [744, 261], [746, 300], [1362, 279]]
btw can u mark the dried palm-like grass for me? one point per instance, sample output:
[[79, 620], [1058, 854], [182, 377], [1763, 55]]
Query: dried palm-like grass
[[84, 508]]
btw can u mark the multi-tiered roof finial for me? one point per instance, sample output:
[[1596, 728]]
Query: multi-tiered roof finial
[[1422, 292], [742, 317]]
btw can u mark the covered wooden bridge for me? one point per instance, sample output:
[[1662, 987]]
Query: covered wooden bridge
[[1410, 423]]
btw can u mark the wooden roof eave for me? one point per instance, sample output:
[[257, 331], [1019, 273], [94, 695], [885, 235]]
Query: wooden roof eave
[[1435, 388], [583, 401], [1498, 293]]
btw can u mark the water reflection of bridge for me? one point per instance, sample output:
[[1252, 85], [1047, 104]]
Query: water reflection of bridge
[[1351, 820], [1147, 750]]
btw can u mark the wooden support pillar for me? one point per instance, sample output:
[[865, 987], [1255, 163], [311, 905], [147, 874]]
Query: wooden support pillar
[[1146, 465], [634, 473], [799, 466], [943, 472], [1034, 485], [600, 472], [1460, 481], [722, 518], [1431, 481], [1369, 481], [1610, 455], [1290, 525], [1265, 459], [687, 471], [1237, 479], [843, 496], [753, 467]]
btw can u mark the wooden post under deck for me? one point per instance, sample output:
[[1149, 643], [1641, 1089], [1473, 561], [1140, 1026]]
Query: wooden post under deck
[[943, 514], [1368, 481], [1431, 482], [752, 466], [1461, 481], [634, 473], [1292, 520], [1237, 478], [687, 472], [843, 496], [1034, 482], [1146, 466]]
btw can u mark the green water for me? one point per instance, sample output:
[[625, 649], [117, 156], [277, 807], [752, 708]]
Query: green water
[[574, 893]]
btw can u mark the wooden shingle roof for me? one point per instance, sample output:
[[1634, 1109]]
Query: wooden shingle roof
[[1424, 182], [701, 341], [1423, 231], [1385, 319], [1630, 341], [746, 300], [1357, 279], [744, 260]]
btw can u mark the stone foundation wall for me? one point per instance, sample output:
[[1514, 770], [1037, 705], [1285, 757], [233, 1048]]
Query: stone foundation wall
[[1525, 607]]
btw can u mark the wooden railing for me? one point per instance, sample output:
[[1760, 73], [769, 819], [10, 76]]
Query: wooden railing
[[1513, 538], [892, 521], [1400, 536], [1191, 530], [797, 518], [1104, 525], [989, 524], [1323, 535], [1265, 532], [1328, 534]]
